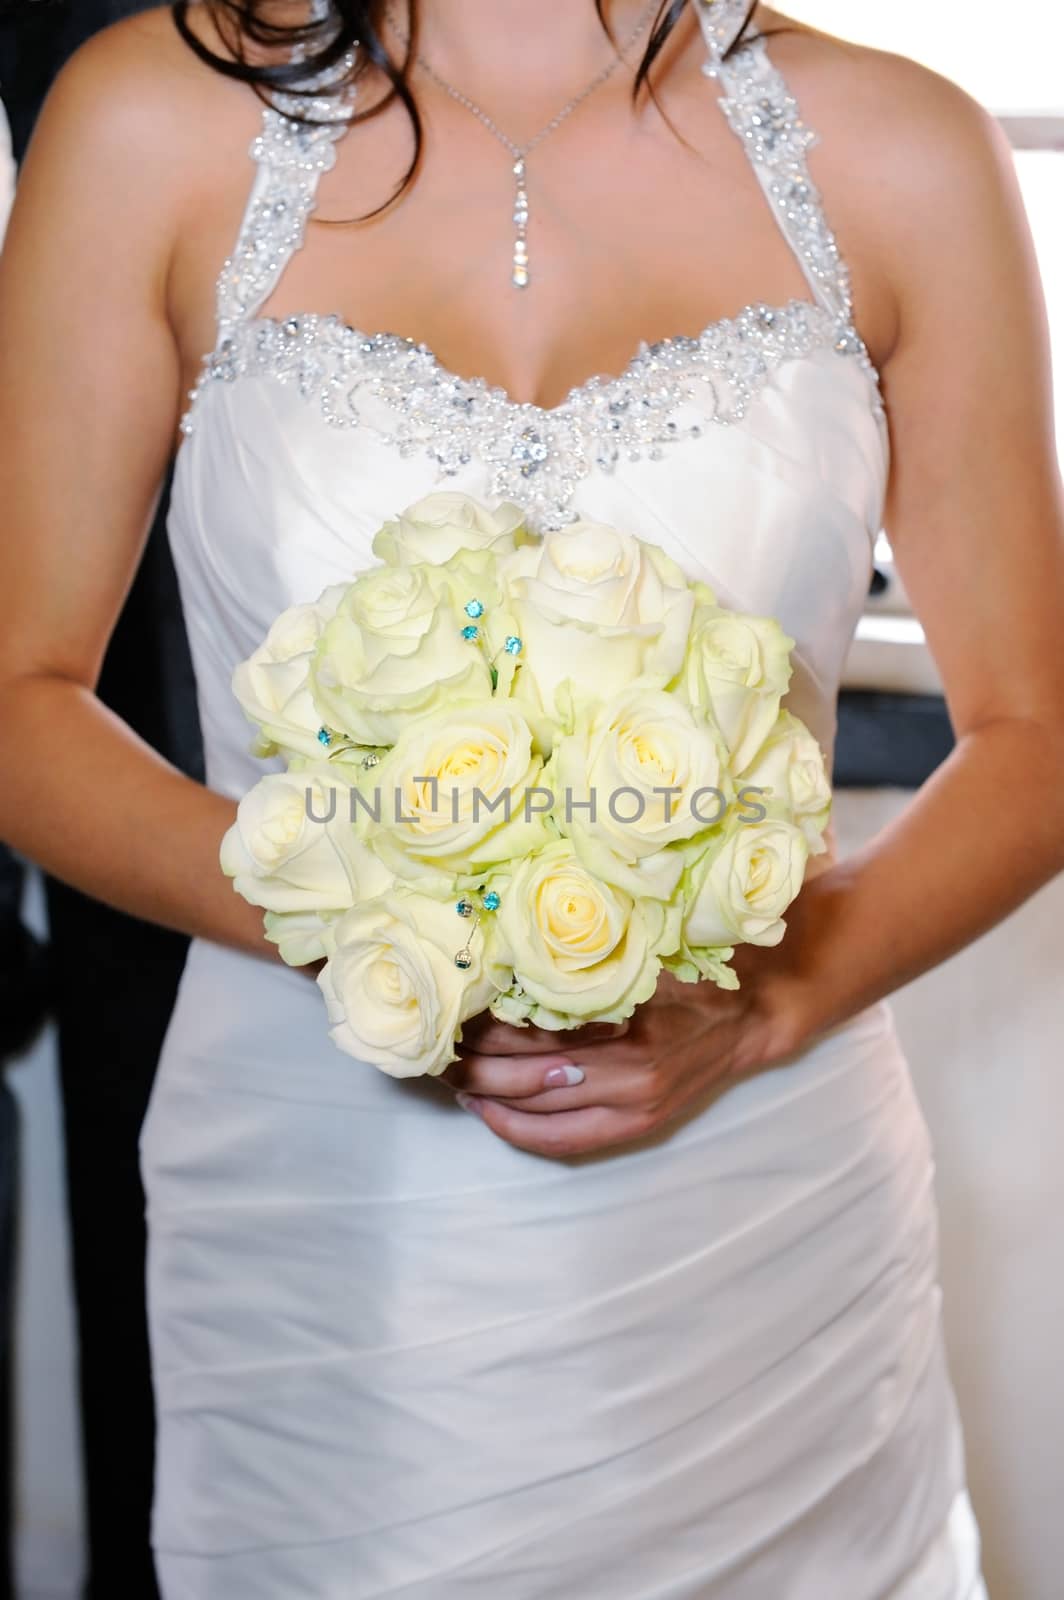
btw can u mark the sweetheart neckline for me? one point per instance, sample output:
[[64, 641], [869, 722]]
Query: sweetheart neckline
[[597, 381]]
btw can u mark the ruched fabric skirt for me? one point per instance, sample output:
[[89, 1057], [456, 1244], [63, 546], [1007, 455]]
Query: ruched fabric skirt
[[395, 1357]]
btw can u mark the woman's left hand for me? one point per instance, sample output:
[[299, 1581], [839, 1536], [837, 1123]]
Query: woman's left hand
[[686, 1039]]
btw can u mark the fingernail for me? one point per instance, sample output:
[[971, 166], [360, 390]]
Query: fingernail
[[563, 1077], [468, 1102]]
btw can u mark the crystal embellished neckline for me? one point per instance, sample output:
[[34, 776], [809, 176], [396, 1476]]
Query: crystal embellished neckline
[[396, 392], [754, 320]]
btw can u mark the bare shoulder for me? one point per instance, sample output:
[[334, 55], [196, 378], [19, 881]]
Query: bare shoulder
[[136, 106], [882, 111]]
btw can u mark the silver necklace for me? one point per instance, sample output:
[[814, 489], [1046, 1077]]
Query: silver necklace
[[519, 275]]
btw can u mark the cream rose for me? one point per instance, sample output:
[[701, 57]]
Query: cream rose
[[654, 772], [455, 796], [581, 950], [394, 995], [301, 936], [437, 527], [596, 607], [293, 846], [790, 767], [739, 887], [736, 670], [394, 651], [273, 685]]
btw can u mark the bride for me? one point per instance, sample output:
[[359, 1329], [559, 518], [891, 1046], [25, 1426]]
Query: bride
[[641, 1314]]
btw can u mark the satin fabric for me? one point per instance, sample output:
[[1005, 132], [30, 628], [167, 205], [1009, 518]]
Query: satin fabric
[[395, 1356]]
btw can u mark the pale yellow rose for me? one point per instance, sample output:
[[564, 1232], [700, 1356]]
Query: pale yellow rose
[[738, 889], [654, 772], [394, 994], [395, 651], [736, 670], [597, 607], [581, 950], [293, 846], [437, 527], [455, 794], [273, 685], [301, 936], [790, 767]]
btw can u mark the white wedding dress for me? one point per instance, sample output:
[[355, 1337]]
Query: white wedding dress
[[393, 1355]]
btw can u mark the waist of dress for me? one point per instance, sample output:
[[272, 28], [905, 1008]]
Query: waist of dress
[[245, 1025]]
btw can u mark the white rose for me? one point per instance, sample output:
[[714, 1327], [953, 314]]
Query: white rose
[[581, 950], [740, 886], [301, 936], [273, 685], [596, 607], [293, 846], [736, 670], [790, 767], [394, 994], [437, 527], [452, 794], [394, 651], [655, 773]]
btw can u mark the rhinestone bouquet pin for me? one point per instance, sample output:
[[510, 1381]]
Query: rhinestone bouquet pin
[[517, 775]]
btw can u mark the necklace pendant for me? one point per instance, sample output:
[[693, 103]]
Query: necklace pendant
[[520, 267], [519, 275], [520, 270]]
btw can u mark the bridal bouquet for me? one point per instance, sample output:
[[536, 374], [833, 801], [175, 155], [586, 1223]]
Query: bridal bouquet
[[520, 775]]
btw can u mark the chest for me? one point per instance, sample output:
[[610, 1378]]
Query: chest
[[637, 230]]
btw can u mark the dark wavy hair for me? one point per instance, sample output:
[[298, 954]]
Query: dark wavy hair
[[323, 44]]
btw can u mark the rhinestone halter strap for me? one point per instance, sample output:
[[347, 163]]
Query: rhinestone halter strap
[[290, 157]]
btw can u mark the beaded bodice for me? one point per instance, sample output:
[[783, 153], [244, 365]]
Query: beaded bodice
[[536, 454], [756, 452]]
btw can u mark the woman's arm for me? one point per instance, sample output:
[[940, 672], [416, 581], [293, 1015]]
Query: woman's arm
[[976, 522], [975, 514], [89, 393]]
